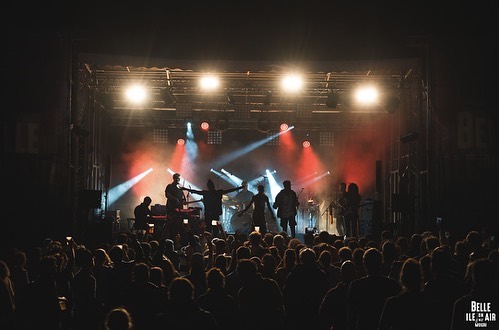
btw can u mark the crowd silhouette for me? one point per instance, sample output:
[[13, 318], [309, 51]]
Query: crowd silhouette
[[257, 281]]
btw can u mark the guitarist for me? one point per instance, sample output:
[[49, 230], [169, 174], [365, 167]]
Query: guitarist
[[175, 200], [212, 201]]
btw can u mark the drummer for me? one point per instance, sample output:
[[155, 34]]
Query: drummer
[[244, 196]]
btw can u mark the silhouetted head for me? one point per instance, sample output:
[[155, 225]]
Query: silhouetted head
[[348, 271], [287, 184], [411, 275], [243, 252], [474, 239], [118, 318], [255, 238], [372, 261], [147, 200], [181, 290], [261, 189], [353, 188], [176, 177], [215, 278], [246, 270], [307, 256]]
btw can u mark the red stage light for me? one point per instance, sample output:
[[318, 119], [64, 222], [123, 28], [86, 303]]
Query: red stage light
[[306, 144], [205, 125], [284, 126], [181, 142]]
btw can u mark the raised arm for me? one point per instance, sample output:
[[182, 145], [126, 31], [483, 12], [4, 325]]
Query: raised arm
[[226, 191], [192, 191]]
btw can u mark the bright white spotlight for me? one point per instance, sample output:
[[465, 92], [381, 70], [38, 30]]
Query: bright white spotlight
[[136, 94], [292, 83], [366, 95], [209, 82]]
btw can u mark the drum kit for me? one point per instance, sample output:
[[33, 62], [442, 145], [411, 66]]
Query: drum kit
[[241, 223], [235, 222]]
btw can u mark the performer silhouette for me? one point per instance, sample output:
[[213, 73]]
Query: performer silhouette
[[339, 206], [286, 203], [352, 205], [259, 201], [212, 201], [143, 214], [175, 200]]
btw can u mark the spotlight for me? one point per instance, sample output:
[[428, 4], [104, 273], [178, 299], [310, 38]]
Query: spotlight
[[284, 126], [136, 94], [306, 144], [205, 125], [366, 95], [209, 83], [181, 142], [292, 83]]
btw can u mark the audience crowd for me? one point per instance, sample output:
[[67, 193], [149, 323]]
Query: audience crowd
[[256, 281]]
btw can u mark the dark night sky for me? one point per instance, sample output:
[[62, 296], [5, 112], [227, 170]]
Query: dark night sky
[[253, 30]]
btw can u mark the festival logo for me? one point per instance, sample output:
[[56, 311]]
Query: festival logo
[[481, 315]]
